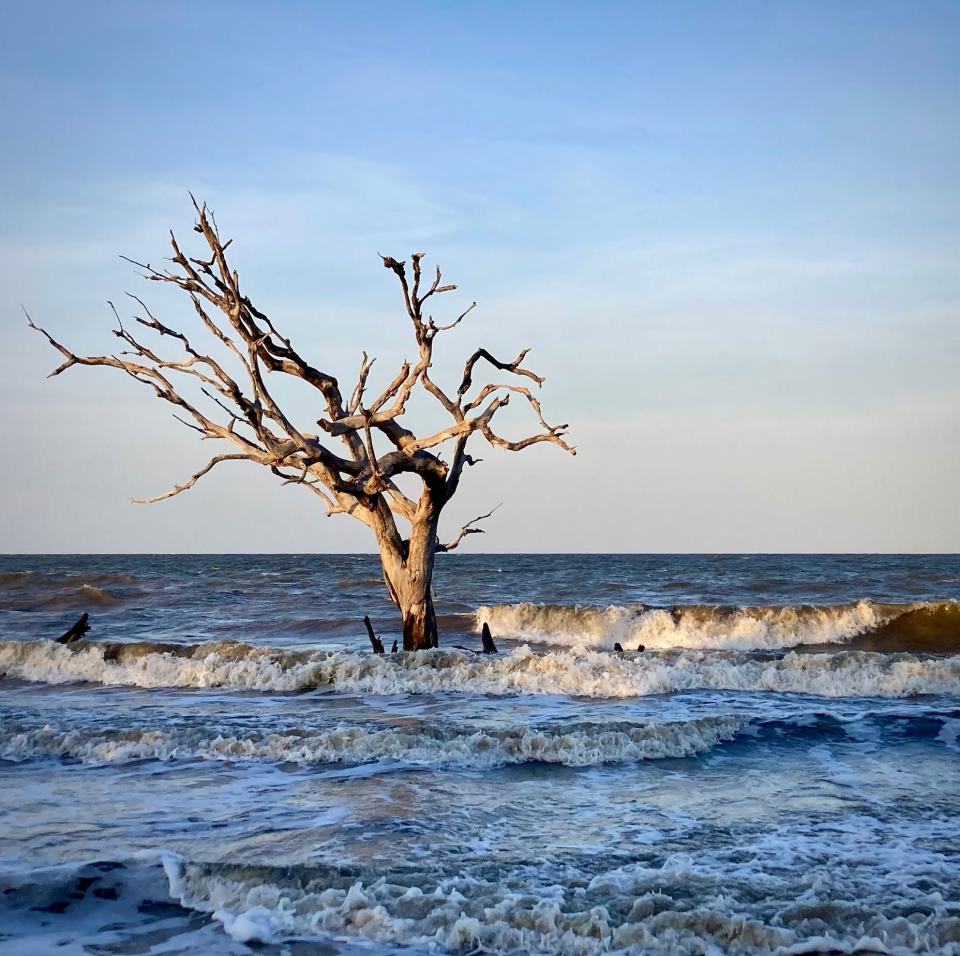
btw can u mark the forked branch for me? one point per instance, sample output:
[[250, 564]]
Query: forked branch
[[468, 529]]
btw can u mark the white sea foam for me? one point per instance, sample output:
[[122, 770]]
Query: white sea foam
[[457, 914], [522, 671], [704, 627], [582, 745], [790, 890], [216, 664], [832, 898]]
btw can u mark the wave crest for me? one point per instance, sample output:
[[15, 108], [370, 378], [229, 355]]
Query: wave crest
[[578, 674], [933, 626], [582, 745], [52, 591]]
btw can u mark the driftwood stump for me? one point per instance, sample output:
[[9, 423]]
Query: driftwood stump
[[77, 631], [375, 641]]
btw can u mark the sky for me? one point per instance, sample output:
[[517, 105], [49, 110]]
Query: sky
[[729, 231]]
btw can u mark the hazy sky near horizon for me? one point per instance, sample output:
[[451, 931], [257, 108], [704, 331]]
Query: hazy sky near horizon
[[730, 231]]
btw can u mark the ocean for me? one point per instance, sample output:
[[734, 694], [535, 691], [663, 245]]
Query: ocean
[[223, 763]]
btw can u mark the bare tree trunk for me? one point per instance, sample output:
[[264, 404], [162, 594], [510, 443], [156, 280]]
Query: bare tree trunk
[[408, 573], [410, 587], [420, 626]]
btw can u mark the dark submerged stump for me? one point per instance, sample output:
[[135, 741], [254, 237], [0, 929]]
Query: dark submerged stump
[[375, 641], [487, 641], [77, 631]]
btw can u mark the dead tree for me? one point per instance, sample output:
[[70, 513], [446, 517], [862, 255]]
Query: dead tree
[[376, 447]]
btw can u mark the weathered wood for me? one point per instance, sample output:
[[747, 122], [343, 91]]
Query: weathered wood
[[420, 626], [347, 472], [375, 641], [80, 627]]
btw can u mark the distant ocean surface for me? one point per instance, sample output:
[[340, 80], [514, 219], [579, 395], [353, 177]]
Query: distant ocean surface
[[224, 764]]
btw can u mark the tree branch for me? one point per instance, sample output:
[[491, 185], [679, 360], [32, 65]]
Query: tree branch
[[514, 366], [192, 480], [467, 529]]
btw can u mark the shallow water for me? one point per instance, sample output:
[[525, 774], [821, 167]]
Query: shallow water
[[779, 770]]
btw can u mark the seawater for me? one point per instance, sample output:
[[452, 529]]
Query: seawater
[[224, 764]]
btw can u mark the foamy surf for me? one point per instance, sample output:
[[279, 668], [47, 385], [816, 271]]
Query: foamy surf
[[557, 798], [835, 899], [582, 745], [522, 671], [674, 904], [453, 746], [723, 628]]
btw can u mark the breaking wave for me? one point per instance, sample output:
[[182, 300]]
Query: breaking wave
[[932, 627], [660, 903], [579, 745], [850, 673], [673, 904], [463, 747]]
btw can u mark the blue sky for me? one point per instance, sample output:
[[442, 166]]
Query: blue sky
[[729, 230]]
